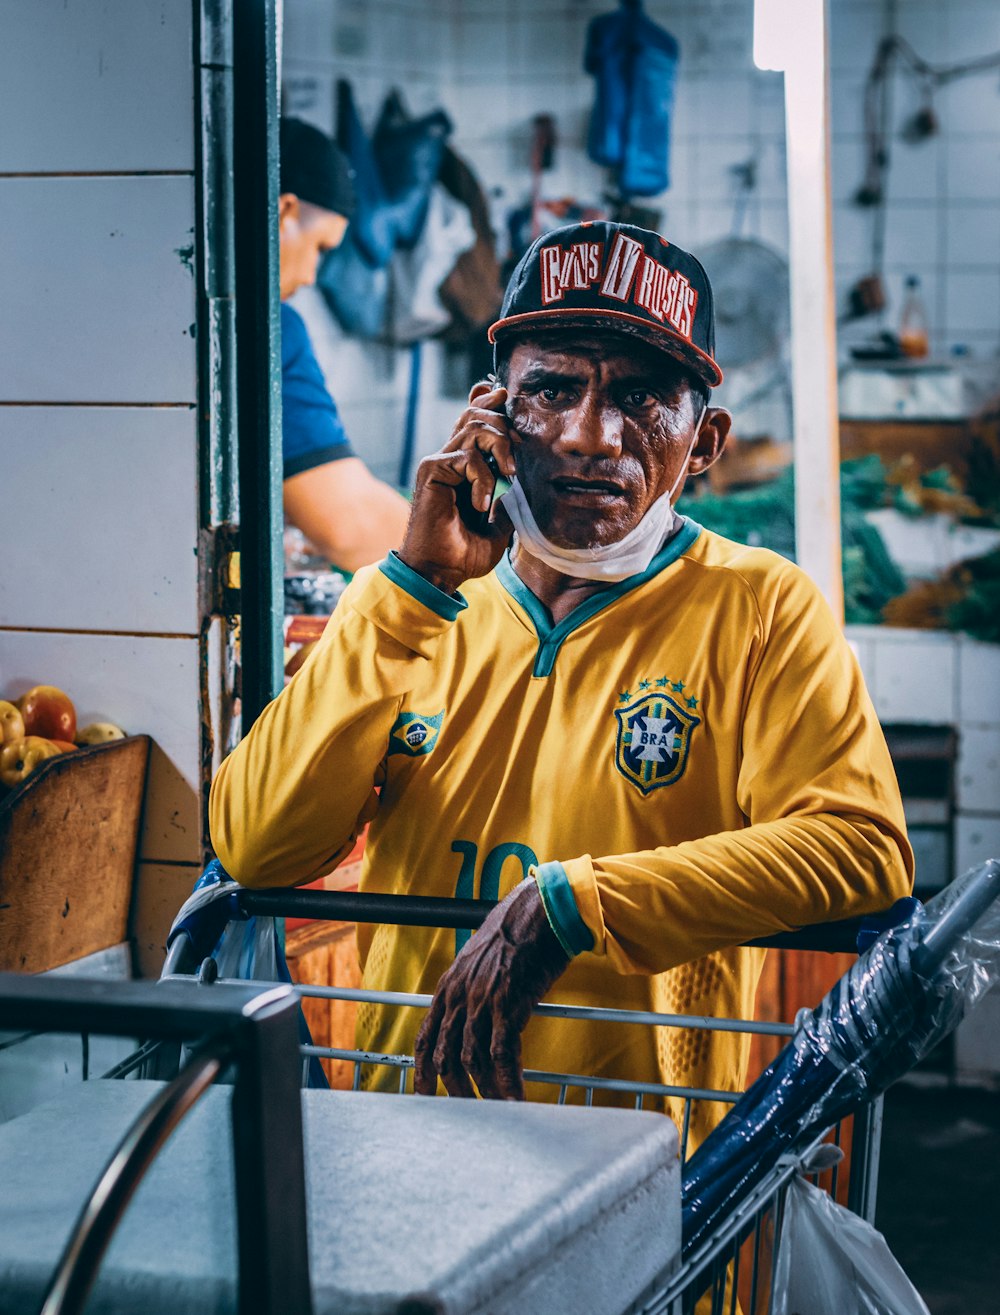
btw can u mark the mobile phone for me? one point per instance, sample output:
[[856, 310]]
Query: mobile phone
[[475, 520]]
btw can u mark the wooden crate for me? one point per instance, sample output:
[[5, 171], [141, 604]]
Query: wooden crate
[[326, 954], [69, 838]]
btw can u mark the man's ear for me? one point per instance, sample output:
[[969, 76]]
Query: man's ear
[[288, 207], [712, 435]]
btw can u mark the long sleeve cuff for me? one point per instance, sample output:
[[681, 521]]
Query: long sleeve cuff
[[573, 919], [445, 605], [403, 605]]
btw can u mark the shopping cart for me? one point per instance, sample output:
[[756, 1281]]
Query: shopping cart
[[737, 1261]]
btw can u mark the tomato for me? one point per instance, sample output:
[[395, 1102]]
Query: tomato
[[11, 722], [19, 758], [48, 713]]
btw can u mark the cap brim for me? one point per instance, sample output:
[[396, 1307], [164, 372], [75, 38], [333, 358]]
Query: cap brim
[[617, 322]]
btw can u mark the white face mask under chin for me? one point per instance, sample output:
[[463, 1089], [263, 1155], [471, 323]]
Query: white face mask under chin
[[610, 563]]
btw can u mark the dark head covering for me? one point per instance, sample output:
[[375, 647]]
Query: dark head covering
[[604, 276], [314, 169]]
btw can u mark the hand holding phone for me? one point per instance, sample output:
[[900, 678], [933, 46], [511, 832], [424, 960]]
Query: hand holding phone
[[475, 520], [456, 530]]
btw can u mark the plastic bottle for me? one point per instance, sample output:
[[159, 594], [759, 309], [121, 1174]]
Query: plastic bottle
[[913, 333]]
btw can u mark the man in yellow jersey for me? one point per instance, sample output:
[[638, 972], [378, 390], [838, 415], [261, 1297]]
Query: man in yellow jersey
[[651, 743]]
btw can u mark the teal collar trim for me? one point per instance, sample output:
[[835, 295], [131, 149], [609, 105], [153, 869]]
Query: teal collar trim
[[550, 635]]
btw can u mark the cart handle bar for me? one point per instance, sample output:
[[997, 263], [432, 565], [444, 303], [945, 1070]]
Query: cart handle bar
[[850, 935]]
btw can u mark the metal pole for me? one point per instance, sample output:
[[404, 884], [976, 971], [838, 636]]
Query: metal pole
[[258, 378]]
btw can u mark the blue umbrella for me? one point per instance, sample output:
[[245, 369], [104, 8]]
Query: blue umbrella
[[894, 1005]]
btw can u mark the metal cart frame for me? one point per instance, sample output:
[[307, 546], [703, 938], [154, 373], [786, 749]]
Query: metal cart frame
[[714, 1266]]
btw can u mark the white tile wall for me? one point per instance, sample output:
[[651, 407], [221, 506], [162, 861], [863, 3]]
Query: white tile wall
[[494, 66], [148, 686], [121, 552], [83, 74], [99, 290], [98, 306]]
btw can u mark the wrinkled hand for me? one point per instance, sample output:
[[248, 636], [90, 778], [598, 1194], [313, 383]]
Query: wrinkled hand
[[483, 1002], [439, 545]]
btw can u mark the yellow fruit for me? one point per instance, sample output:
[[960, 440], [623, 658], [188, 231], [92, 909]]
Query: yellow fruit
[[100, 732], [19, 758], [11, 722]]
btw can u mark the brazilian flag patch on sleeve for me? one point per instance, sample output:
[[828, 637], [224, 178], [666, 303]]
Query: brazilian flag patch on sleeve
[[414, 733]]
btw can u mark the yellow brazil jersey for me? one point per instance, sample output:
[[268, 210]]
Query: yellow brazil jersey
[[688, 761]]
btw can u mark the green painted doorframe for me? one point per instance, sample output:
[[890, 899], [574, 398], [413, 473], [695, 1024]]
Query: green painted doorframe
[[258, 376]]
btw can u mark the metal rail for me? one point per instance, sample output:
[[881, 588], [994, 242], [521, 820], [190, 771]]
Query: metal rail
[[434, 911], [258, 1028]]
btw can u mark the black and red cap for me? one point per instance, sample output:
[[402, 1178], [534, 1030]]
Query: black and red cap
[[599, 275]]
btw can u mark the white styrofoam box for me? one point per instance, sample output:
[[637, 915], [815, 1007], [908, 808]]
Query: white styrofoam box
[[978, 681], [973, 169], [925, 548], [90, 86], [147, 685], [977, 838], [972, 298], [159, 891], [977, 1040], [878, 392], [584, 1215], [864, 650], [121, 553], [930, 856], [972, 232], [915, 677], [99, 290], [979, 769]]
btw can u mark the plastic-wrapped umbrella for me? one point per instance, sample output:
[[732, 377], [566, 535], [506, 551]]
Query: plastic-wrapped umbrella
[[894, 1005]]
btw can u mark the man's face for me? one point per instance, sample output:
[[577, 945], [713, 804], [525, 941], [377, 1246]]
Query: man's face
[[305, 233], [606, 426]]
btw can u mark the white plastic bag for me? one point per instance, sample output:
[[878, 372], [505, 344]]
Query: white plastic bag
[[249, 950], [830, 1262]]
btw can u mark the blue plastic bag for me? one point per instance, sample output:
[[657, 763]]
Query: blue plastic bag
[[243, 947]]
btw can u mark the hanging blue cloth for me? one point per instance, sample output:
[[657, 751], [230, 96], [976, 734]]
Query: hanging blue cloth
[[634, 63]]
